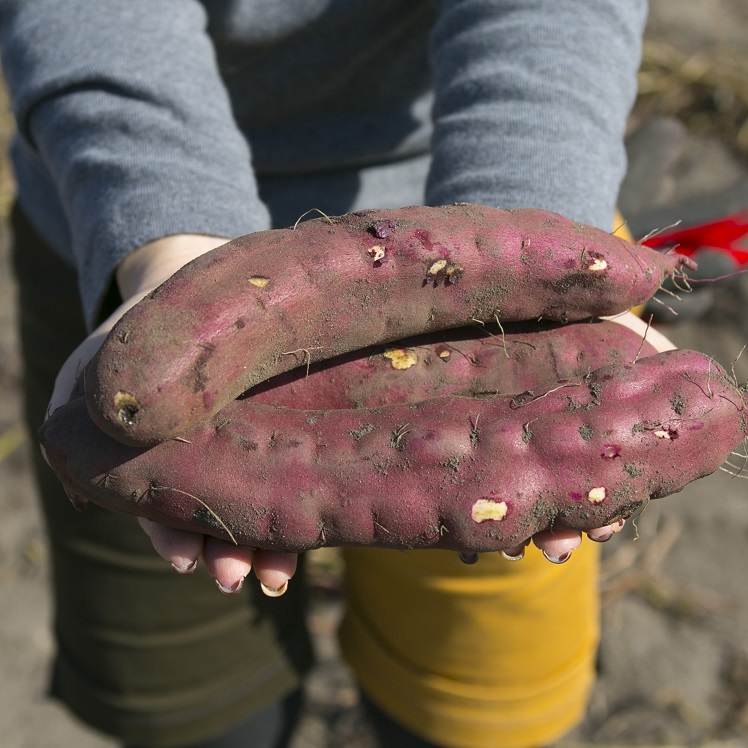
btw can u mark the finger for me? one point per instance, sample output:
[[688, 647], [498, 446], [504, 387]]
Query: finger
[[517, 553], [558, 545], [603, 534], [227, 563], [180, 548], [274, 570]]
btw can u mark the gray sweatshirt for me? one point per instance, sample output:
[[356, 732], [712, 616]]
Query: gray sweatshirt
[[138, 119]]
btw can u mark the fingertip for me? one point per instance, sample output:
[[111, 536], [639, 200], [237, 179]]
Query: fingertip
[[179, 547], [558, 545], [276, 561], [604, 534], [560, 558], [274, 571], [184, 566], [230, 588], [228, 564], [513, 554]]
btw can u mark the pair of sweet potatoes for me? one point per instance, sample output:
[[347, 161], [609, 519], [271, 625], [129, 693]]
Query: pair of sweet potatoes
[[373, 448]]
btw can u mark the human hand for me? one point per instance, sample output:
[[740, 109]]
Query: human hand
[[138, 275], [229, 562]]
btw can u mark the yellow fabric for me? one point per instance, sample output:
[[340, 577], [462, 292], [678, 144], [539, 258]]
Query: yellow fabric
[[495, 655], [622, 230]]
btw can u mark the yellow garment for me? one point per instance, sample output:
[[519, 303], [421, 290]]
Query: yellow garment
[[622, 230], [496, 655]]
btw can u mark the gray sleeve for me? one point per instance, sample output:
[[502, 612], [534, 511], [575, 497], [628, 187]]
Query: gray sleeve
[[123, 104], [532, 98]]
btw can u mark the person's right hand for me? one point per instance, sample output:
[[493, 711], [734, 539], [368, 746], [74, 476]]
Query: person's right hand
[[138, 275]]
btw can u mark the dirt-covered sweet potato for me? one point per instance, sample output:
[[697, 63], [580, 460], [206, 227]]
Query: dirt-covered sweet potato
[[471, 362], [250, 309], [458, 473]]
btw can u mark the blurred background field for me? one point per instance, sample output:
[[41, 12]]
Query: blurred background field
[[674, 655]]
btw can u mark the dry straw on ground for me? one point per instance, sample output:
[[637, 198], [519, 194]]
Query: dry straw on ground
[[708, 90]]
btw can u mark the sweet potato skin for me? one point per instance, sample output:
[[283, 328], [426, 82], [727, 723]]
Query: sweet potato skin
[[245, 312], [478, 361], [454, 473]]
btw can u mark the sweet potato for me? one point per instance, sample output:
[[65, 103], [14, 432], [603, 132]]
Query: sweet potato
[[471, 362], [244, 312], [452, 472]]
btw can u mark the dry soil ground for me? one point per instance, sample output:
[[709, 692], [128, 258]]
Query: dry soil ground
[[674, 655]]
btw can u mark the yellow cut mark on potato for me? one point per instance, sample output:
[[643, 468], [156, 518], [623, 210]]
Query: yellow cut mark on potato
[[485, 509], [127, 407], [259, 281], [377, 252], [662, 434], [445, 354], [596, 495], [597, 264], [401, 358], [437, 267]]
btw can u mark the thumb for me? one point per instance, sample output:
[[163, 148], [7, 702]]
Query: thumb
[[137, 275], [74, 367]]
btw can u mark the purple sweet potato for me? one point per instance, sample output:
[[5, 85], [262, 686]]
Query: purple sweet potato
[[248, 310], [471, 362], [456, 473]]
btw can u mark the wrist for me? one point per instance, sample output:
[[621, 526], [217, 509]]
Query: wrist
[[151, 264]]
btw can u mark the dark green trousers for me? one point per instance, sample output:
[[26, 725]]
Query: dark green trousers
[[144, 654]]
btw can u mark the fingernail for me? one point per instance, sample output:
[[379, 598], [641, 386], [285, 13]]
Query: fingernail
[[562, 559], [277, 592], [187, 567], [234, 589], [468, 557], [601, 538], [514, 556]]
